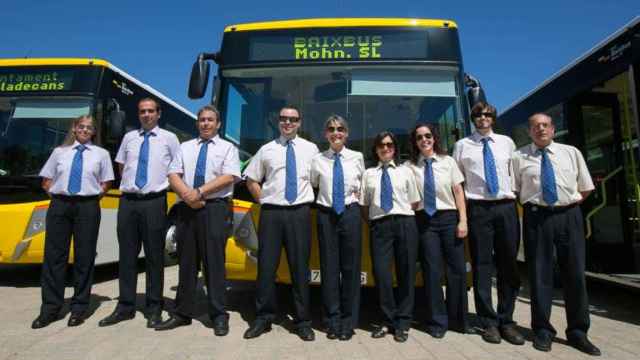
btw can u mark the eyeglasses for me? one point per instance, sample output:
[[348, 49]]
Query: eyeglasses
[[389, 145], [485, 114], [291, 119], [84, 127], [339, 129], [420, 137]]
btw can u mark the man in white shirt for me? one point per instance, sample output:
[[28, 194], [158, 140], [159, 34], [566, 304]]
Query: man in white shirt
[[494, 230], [278, 177], [144, 157], [552, 180], [203, 175]]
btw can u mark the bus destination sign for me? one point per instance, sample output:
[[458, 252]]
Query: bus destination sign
[[31, 81], [347, 46]]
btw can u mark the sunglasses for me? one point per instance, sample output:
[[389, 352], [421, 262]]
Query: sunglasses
[[291, 119], [389, 145], [485, 114], [339, 129], [84, 127], [420, 137]]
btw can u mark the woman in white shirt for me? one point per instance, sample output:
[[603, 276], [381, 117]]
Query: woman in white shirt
[[337, 173], [441, 219], [75, 176], [390, 193]]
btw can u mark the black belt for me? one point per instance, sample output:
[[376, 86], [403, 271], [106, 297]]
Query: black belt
[[549, 209], [75, 197], [216, 200], [326, 208], [490, 202], [390, 218], [272, 206], [147, 196]]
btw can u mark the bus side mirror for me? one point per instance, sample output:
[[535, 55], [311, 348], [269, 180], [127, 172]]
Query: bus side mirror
[[475, 94], [116, 121], [199, 78]]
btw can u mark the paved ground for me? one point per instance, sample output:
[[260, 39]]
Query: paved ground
[[615, 328]]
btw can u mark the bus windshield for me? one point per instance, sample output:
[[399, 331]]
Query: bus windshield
[[371, 98], [30, 127]]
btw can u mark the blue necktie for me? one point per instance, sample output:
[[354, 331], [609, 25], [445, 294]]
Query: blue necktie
[[201, 165], [490, 174], [143, 162], [386, 191], [338, 185], [291, 185], [429, 188], [75, 177], [547, 180]]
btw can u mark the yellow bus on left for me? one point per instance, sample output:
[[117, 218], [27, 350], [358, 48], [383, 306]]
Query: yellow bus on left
[[38, 99]]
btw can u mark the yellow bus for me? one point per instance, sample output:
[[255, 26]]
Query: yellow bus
[[380, 74], [38, 99]]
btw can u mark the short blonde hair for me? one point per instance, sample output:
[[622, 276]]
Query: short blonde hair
[[71, 135]]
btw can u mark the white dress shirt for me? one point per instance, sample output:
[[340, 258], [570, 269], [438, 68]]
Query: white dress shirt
[[403, 183], [570, 170], [468, 153], [96, 169], [270, 163], [163, 147], [322, 175], [446, 174], [222, 159]]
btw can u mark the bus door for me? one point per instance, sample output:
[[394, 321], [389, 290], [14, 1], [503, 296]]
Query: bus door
[[610, 214]]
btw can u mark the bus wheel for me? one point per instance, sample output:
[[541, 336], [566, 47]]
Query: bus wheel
[[170, 244]]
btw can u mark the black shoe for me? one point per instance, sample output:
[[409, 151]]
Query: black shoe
[[115, 318], [75, 320], [400, 335], [436, 333], [332, 334], [42, 321], [491, 335], [221, 328], [347, 335], [583, 344], [306, 334], [154, 320], [172, 322], [258, 328], [379, 333], [511, 334], [542, 342]]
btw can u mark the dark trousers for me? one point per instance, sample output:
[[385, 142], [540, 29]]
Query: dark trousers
[[395, 237], [561, 230], [340, 240], [202, 236], [289, 226], [141, 222], [494, 234], [440, 250], [69, 216]]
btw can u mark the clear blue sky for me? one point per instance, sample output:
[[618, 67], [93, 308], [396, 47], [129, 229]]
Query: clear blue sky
[[511, 46]]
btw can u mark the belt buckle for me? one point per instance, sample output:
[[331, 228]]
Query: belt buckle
[[534, 208]]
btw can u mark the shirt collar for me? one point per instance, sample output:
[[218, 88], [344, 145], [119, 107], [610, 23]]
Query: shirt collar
[[551, 148], [478, 137], [86, 145], [342, 152], [153, 131], [391, 163], [283, 140], [213, 140], [435, 157]]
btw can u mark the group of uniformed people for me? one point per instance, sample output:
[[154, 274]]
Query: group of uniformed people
[[417, 211]]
